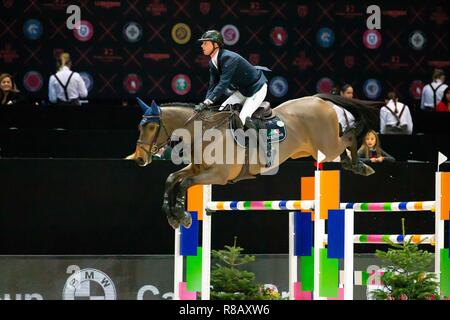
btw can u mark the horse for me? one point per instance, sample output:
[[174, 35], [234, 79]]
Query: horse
[[311, 125]]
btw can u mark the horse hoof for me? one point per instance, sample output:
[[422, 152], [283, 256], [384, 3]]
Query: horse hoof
[[174, 223], [165, 208], [186, 221], [346, 166], [368, 171]]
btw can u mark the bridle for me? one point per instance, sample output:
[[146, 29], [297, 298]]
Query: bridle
[[154, 146]]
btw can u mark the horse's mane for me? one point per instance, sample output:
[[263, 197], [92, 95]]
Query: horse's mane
[[178, 104]]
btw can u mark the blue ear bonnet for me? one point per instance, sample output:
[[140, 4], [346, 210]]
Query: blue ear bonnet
[[151, 113]]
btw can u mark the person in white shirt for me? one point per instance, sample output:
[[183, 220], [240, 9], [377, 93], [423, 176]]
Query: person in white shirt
[[432, 93], [395, 117], [345, 118], [66, 87]]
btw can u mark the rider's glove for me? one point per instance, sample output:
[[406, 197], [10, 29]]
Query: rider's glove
[[200, 107], [203, 105]]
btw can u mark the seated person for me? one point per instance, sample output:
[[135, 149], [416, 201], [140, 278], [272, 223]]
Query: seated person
[[444, 105], [9, 94], [66, 86], [395, 117], [371, 149]]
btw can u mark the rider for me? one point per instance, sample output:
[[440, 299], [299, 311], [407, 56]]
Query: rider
[[228, 70]]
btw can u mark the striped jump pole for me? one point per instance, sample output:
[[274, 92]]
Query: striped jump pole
[[191, 258], [319, 254], [389, 206]]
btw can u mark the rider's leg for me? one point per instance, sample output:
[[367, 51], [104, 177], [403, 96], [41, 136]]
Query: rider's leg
[[235, 98], [252, 103], [250, 106]]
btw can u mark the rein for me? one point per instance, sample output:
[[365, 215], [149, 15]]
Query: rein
[[154, 147]]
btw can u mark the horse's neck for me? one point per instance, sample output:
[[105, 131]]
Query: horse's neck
[[176, 117]]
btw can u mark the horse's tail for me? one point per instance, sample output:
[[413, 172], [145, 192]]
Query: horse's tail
[[366, 113]]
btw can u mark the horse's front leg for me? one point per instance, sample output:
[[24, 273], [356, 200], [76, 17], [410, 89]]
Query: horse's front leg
[[172, 181], [214, 175]]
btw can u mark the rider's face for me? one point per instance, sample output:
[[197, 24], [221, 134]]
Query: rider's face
[[208, 47]]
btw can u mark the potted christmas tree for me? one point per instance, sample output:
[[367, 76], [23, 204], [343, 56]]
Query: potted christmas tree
[[406, 276], [231, 282]]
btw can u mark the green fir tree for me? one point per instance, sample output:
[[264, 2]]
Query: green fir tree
[[406, 276], [231, 282]]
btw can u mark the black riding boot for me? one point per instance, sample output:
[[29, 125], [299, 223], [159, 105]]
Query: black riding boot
[[251, 124]]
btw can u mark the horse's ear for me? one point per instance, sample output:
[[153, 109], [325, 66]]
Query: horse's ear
[[155, 108], [143, 105]]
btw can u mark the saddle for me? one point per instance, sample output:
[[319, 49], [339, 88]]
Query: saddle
[[264, 118], [264, 113]]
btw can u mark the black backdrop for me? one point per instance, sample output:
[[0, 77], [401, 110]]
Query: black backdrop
[[282, 35], [113, 207]]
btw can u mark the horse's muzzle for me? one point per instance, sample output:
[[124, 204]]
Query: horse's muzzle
[[141, 162]]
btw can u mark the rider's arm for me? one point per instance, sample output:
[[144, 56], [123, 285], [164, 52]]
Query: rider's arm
[[213, 80], [229, 67]]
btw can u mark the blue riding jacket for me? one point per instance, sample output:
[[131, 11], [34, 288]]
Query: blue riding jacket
[[235, 73]]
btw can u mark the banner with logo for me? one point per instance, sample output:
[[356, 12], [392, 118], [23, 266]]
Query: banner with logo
[[126, 277], [148, 48]]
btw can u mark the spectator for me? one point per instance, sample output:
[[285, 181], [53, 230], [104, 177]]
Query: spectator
[[444, 105], [432, 93], [371, 149], [66, 87], [395, 117], [9, 94], [347, 91], [345, 118]]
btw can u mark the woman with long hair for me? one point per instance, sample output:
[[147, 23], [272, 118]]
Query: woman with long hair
[[9, 94], [371, 150]]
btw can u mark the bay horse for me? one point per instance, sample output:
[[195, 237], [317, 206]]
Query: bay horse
[[310, 122]]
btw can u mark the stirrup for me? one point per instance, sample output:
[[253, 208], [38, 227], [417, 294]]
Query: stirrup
[[250, 124]]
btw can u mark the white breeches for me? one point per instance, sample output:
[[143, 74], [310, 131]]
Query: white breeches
[[250, 104]]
